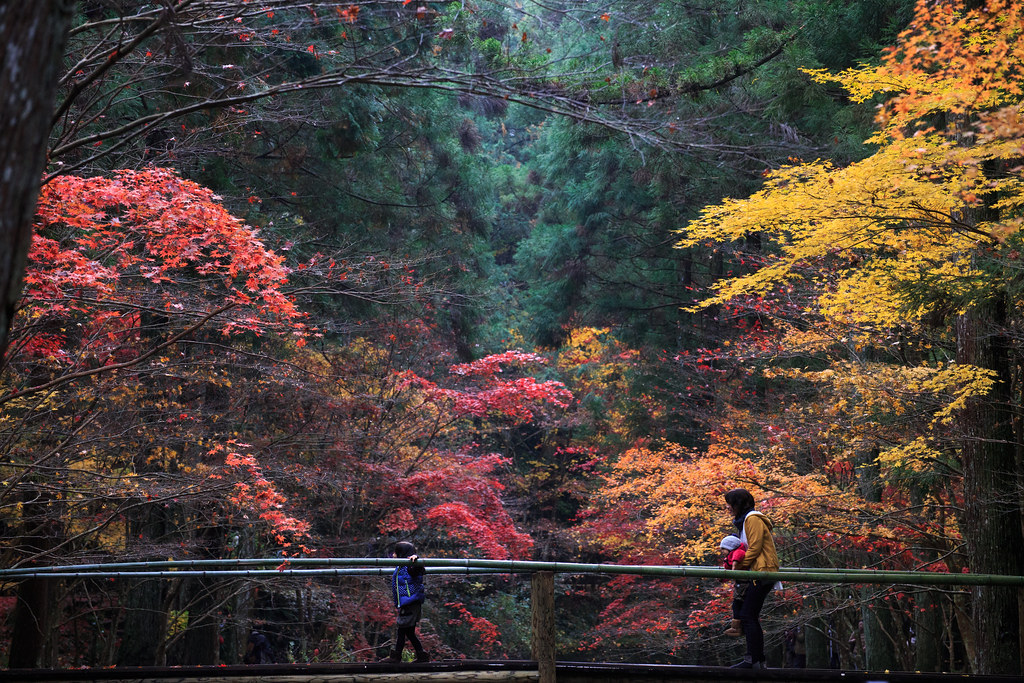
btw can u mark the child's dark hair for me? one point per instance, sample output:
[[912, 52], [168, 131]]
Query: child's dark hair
[[404, 549]]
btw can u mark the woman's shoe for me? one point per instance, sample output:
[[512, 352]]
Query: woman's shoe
[[735, 628], [745, 664]]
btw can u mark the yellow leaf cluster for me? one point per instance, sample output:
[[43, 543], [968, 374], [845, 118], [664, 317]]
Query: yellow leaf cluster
[[893, 218], [916, 455]]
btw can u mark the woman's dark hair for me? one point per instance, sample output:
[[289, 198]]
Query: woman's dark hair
[[740, 500], [404, 549]]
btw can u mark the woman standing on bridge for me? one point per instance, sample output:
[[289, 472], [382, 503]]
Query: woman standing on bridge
[[756, 532]]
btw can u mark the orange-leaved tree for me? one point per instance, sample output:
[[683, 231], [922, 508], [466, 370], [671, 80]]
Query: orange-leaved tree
[[662, 503]]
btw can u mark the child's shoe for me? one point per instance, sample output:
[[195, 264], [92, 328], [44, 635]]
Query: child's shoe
[[735, 628]]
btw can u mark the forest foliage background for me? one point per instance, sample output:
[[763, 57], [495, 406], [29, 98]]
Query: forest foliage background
[[526, 280]]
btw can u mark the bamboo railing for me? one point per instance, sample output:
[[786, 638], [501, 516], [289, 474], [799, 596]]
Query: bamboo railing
[[361, 566], [542, 578]]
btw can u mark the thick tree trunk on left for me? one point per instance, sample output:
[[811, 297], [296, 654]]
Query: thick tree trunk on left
[[31, 624], [34, 605], [32, 36], [991, 524]]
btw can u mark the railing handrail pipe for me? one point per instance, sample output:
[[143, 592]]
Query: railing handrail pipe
[[362, 566]]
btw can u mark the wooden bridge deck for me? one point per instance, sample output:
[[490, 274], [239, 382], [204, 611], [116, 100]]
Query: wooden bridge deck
[[470, 671]]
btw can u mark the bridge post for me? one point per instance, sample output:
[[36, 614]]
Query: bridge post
[[542, 611]]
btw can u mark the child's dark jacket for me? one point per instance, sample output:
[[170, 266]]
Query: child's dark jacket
[[407, 585]]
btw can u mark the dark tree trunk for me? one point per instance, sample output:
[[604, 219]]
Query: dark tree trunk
[[31, 612], [869, 476], [204, 599], [32, 36], [817, 643], [238, 623], [147, 604], [33, 608], [991, 522], [144, 623], [879, 649], [201, 642], [928, 631]]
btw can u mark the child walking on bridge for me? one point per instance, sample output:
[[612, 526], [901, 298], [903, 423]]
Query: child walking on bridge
[[407, 593]]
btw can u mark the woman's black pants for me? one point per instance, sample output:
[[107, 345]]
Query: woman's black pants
[[750, 613]]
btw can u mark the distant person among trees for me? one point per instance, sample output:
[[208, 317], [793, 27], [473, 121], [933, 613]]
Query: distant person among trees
[[407, 593], [258, 650], [756, 533], [735, 550]]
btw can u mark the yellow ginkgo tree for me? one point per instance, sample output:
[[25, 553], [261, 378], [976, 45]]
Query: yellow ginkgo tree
[[924, 236]]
